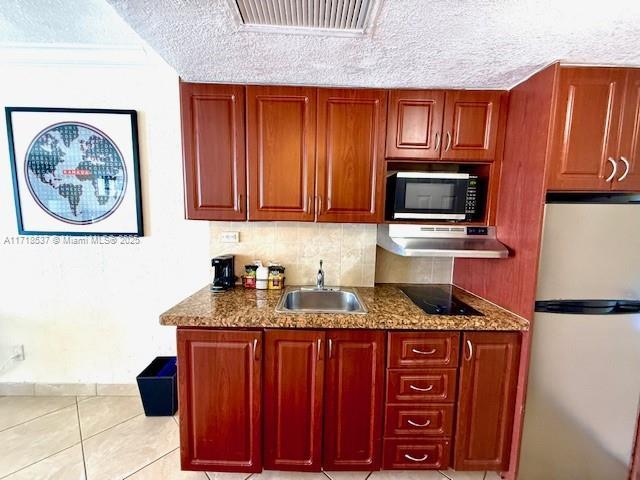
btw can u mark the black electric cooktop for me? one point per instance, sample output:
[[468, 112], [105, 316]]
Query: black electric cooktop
[[437, 299]]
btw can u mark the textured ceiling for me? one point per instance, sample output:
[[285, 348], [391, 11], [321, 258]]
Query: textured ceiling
[[414, 43], [88, 22]]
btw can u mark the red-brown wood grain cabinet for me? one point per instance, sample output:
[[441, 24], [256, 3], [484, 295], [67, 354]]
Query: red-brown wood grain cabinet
[[293, 390], [414, 124], [586, 128], [219, 375], [281, 135], [350, 155], [470, 124], [486, 400], [213, 147], [629, 150], [353, 400]]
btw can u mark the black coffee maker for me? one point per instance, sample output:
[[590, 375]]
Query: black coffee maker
[[223, 274]]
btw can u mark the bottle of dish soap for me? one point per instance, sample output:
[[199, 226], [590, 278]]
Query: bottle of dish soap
[[262, 276]]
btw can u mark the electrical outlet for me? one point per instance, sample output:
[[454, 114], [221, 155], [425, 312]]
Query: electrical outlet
[[230, 237], [18, 353]]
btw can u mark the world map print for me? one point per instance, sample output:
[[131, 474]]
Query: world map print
[[75, 173]]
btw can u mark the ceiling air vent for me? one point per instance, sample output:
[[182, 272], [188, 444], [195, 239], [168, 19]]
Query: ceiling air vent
[[338, 17]]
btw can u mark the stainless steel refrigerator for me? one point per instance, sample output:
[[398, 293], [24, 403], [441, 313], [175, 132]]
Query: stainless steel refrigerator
[[584, 380]]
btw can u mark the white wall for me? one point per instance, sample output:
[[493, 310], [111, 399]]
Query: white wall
[[89, 313]]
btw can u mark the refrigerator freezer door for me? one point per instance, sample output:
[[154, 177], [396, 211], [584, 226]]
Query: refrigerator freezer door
[[590, 252], [582, 401]]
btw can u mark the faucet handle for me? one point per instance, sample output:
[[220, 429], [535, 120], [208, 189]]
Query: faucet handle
[[320, 264]]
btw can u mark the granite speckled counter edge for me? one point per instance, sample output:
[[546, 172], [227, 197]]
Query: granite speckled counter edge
[[388, 309]]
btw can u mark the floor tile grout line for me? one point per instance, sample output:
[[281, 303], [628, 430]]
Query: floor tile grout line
[[112, 426], [84, 460], [35, 418], [154, 461], [41, 460]]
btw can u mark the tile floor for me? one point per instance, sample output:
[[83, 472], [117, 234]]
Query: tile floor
[[109, 438]]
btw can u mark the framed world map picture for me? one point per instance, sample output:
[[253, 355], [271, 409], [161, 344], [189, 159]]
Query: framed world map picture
[[75, 171]]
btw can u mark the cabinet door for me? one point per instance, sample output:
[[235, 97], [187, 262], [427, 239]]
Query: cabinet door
[[219, 388], [293, 385], [470, 126], [353, 400], [414, 124], [350, 155], [213, 151], [585, 129], [281, 134], [488, 380], [629, 151]]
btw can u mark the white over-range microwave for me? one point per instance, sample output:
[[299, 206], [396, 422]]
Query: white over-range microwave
[[433, 196]]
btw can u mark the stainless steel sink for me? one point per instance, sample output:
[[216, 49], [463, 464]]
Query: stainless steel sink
[[320, 300]]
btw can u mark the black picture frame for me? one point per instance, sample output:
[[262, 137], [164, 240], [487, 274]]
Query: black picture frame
[[135, 155]]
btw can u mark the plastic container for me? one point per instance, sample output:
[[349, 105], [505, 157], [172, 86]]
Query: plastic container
[[159, 387], [276, 277], [262, 276]]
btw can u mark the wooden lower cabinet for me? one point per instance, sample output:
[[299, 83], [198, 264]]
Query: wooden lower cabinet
[[293, 389], [486, 401], [414, 454], [306, 400], [353, 400], [219, 374]]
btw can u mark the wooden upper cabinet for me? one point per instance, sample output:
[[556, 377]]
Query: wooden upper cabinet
[[220, 397], [486, 400], [350, 155], [213, 145], [293, 386], [353, 400], [471, 123], [586, 128], [281, 134], [629, 150], [414, 124]]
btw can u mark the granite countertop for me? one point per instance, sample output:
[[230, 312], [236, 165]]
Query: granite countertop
[[388, 308]]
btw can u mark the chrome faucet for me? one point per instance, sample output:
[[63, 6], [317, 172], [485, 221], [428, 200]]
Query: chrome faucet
[[320, 277]]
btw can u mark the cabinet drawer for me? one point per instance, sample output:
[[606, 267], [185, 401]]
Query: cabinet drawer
[[416, 454], [420, 350], [417, 386], [428, 420]]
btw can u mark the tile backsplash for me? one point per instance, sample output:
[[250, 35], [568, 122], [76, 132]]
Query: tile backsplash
[[391, 268], [349, 252]]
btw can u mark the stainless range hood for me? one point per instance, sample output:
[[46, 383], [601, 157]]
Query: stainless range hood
[[441, 241]]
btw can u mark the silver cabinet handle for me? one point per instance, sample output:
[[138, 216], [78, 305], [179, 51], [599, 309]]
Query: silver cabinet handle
[[309, 204], [319, 204], [437, 145], [626, 172], [330, 347], [319, 344], [420, 352], [255, 349], [239, 202], [614, 164], [470, 347], [418, 389], [415, 424], [414, 459], [446, 149]]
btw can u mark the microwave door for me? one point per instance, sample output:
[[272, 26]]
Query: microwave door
[[432, 197]]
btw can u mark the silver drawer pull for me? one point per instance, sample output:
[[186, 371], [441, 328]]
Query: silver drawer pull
[[418, 389], [421, 352], [414, 459], [425, 424]]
